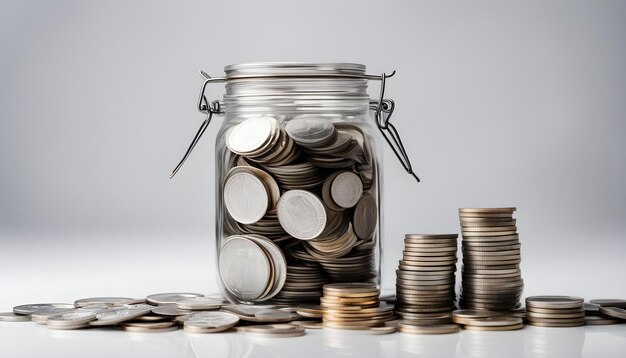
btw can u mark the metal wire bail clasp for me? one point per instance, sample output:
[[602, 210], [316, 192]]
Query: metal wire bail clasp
[[383, 110], [203, 107]]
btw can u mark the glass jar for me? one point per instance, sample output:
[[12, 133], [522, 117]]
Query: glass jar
[[298, 186]]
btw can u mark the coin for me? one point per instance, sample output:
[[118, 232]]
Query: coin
[[420, 328], [610, 302], [487, 210], [244, 268], [12, 317], [150, 327], [365, 217], [250, 135], [119, 315], [33, 307], [346, 189], [170, 297], [598, 320], [309, 130], [554, 301], [246, 198], [70, 320], [200, 303], [614, 312], [301, 214], [211, 322], [495, 328], [111, 301]]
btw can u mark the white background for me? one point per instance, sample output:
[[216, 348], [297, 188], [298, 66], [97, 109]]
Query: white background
[[499, 104]]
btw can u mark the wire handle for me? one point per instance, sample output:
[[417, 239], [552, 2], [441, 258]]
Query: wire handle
[[383, 110]]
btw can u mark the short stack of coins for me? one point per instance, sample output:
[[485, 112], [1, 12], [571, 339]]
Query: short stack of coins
[[555, 311], [353, 306], [307, 185], [492, 278], [425, 279]]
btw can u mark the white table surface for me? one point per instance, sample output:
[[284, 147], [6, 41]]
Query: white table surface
[[27, 339]]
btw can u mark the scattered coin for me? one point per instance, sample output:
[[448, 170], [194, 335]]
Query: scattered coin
[[149, 327], [610, 302], [210, 322], [119, 315], [71, 320], [200, 303], [109, 301], [601, 321], [12, 317], [614, 312], [168, 298], [33, 307]]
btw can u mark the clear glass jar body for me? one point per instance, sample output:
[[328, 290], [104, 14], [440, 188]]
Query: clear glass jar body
[[349, 247]]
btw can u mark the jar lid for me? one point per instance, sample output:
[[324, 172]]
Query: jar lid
[[292, 68]]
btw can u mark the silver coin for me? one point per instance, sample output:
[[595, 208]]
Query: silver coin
[[346, 189], [200, 303], [609, 302], [74, 319], [12, 317], [554, 301], [250, 135], [302, 214], [246, 197], [170, 297], [244, 268], [279, 263], [33, 307], [310, 130], [118, 315], [169, 310], [614, 312], [111, 301], [212, 321]]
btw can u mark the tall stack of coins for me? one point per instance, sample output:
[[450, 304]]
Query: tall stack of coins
[[492, 278], [307, 189], [555, 311], [353, 306], [425, 278]]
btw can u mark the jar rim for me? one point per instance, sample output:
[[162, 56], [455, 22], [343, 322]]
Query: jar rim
[[293, 68]]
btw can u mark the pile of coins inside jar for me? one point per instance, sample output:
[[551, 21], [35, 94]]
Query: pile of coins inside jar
[[301, 210]]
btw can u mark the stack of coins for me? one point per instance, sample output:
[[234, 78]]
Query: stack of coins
[[252, 267], [491, 256], [425, 278], [555, 311], [353, 306]]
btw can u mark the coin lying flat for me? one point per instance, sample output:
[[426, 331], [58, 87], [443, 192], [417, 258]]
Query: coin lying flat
[[110, 301], [12, 317], [554, 301], [419, 328], [310, 131], [33, 307], [149, 327], [200, 303], [601, 321], [171, 297], [250, 135], [71, 320], [210, 322], [609, 302]]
